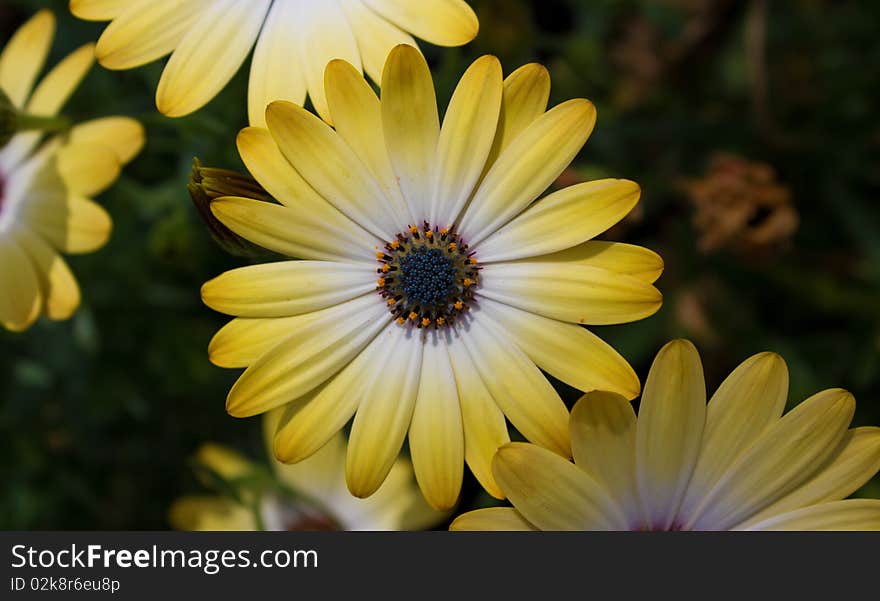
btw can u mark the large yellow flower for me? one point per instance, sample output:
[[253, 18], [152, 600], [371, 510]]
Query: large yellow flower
[[295, 39], [312, 495], [738, 464], [434, 285], [45, 183]]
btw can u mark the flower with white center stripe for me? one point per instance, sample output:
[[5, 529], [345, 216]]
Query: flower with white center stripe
[[435, 284], [209, 40], [46, 181], [736, 464]]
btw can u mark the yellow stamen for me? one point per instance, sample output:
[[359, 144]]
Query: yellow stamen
[[413, 229], [458, 305], [453, 246], [380, 282], [468, 282], [401, 320], [440, 321], [380, 255], [425, 322], [395, 245], [429, 234], [472, 260], [413, 316], [386, 268], [391, 302], [444, 231]]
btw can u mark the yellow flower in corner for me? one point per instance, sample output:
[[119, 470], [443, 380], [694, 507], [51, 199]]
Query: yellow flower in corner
[[45, 181], [433, 286], [295, 39], [310, 495], [738, 464]]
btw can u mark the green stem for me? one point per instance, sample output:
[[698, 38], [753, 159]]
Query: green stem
[[25, 122]]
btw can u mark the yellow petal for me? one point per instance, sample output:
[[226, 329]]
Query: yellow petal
[[227, 463], [411, 124], [603, 442], [60, 291], [527, 167], [856, 461], [24, 55], [572, 293], [287, 288], [485, 429], [375, 36], [562, 220], [851, 514], [73, 224], [309, 422], [672, 415], [207, 513], [60, 83], [209, 55], [88, 169], [328, 164], [526, 92], [386, 410], [750, 400], [320, 474], [290, 232], [123, 135], [785, 456], [100, 10], [502, 519], [436, 436], [552, 493], [147, 30], [566, 351], [264, 160], [357, 117], [242, 341], [324, 34], [465, 139], [440, 22], [517, 385], [308, 357], [627, 259], [276, 69], [20, 298]]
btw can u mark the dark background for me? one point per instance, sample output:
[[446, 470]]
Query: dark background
[[757, 111]]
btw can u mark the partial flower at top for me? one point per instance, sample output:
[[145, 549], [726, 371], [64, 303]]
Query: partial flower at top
[[434, 285], [295, 39], [45, 181], [308, 496], [736, 464]]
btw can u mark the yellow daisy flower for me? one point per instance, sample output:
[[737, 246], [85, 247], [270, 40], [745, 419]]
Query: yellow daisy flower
[[312, 496], [738, 464], [434, 287], [45, 183], [295, 39]]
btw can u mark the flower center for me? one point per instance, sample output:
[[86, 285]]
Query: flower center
[[427, 276]]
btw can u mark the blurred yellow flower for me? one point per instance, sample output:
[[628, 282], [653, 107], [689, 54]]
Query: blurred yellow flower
[[738, 464], [312, 495], [45, 183], [434, 287], [295, 39]]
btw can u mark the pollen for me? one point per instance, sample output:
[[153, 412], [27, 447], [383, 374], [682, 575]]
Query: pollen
[[434, 276]]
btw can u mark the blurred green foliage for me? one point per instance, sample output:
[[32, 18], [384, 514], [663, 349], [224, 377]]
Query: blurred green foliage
[[99, 415]]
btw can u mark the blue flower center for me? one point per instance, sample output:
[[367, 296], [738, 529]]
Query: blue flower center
[[427, 276]]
